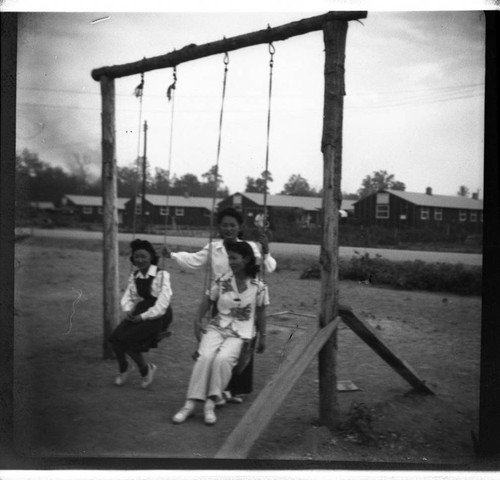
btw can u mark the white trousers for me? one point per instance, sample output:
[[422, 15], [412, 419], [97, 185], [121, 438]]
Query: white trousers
[[219, 352]]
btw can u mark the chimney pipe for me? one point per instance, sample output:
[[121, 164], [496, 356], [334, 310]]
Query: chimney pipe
[[428, 191]]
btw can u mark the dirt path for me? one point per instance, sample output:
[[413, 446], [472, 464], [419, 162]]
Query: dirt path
[[66, 403], [284, 249]]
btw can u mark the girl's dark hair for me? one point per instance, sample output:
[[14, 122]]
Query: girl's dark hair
[[245, 250], [139, 244], [230, 212]]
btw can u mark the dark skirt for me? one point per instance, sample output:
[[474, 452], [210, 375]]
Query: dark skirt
[[242, 383], [141, 336]]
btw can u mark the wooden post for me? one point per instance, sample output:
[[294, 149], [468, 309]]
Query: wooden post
[[110, 213], [334, 33]]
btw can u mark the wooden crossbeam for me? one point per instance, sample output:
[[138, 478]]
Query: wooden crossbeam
[[193, 52], [370, 337], [258, 416]]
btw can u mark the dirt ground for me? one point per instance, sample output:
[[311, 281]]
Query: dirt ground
[[66, 404]]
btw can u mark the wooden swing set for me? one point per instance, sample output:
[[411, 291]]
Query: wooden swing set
[[320, 340]]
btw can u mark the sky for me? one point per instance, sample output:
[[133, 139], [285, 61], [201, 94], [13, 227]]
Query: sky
[[414, 103]]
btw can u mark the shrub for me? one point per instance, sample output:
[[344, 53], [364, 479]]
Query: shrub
[[408, 275]]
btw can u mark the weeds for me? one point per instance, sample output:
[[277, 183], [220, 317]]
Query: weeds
[[358, 427], [409, 275]]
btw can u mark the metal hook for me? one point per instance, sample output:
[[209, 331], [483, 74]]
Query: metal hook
[[226, 58], [272, 50]]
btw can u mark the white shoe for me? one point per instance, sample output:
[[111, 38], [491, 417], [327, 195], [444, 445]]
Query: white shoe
[[209, 414], [221, 402], [235, 399], [223, 399], [121, 378], [148, 379], [183, 414]]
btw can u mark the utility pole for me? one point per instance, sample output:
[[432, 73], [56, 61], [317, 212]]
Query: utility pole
[[143, 205]]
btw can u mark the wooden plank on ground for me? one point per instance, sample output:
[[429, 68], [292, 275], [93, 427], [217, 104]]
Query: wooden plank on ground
[[370, 337], [258, 416]]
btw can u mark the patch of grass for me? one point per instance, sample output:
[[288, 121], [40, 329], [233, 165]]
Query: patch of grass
[[358, 425], [408, 275]]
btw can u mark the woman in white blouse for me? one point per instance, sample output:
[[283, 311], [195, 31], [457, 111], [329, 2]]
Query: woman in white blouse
[[230, 222], [241, 301], [146, 305]]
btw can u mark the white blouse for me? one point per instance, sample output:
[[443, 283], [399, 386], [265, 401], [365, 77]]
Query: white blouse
[[220, 262], [160, 288], [236, 310]]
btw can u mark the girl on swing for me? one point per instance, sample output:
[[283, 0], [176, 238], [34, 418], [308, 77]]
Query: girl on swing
[[241, 300], [146, 305], [229, 221]]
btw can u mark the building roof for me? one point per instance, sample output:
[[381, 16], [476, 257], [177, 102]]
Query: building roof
[[292, 201], [42, 205], [181, 201], [440, 201], [93, 201]]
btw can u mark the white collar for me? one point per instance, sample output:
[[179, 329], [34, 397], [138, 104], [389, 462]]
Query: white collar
[[151, 272]]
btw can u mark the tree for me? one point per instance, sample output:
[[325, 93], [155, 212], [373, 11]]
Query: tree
[[298, 185], [83, 166], [259, 185], [161, 182], [40, 181], [213, 183], [128, 181], [188, 184], [380, 180], [463, 191], [350, 196]]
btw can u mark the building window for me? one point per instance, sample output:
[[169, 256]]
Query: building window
[[462, 216], [237, 199], [87, 210], [164, 211], [179, 211], [99, 210], [424, 213], [473, 216], [438, 214], [382, 211], [138, 210]]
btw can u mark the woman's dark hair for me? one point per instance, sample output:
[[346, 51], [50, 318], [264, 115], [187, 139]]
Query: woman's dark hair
[[230, 212], [245, 250], [139, 244]]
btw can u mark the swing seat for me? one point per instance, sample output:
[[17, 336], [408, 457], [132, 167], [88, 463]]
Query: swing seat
[[247, 351], [166, 321]]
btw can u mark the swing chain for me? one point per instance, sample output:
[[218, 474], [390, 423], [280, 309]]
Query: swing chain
[[172, 87]]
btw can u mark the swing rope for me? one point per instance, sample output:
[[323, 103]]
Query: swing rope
[[265, 223], [138, 92], [171, 97], [208, 277]]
